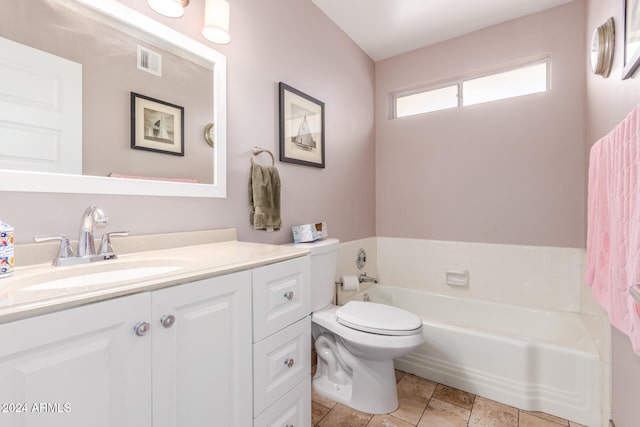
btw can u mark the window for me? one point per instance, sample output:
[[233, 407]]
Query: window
[[508, 84], [427, 101], [524, 80]]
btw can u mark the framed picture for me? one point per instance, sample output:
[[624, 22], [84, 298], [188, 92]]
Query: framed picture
[[631, 37], [301, 128], [156, 125]]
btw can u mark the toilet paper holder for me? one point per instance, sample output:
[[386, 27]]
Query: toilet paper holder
[[363, 277]]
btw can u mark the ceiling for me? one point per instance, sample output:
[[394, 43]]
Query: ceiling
[[385, 28]]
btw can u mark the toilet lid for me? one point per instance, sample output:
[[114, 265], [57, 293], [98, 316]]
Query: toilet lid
[[379, 319]]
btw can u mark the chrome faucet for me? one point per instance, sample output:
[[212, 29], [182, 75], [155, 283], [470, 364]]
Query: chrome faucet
[[93, 216], [364, 278]]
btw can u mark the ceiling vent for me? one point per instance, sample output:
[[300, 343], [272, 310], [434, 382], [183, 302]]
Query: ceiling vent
[[149, 61]]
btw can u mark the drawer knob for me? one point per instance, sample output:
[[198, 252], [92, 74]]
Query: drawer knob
[[288, 295], [141, 328], [289, 362], [168, 320]]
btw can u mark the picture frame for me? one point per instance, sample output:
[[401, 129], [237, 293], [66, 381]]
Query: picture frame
[[156, 125], [631, 37], [301, 128]]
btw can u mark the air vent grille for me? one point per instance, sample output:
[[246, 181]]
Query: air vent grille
[[149, 61]]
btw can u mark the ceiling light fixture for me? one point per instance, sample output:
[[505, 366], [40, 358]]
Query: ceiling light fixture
[[216, 21], [170, 8], [216, 16]]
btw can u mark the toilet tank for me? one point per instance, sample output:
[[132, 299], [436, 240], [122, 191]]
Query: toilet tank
[[324, 261]]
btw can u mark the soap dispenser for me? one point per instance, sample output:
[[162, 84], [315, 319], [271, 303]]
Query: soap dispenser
[[6, 250]]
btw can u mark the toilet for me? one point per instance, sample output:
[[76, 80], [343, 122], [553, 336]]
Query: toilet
[[356, 343]]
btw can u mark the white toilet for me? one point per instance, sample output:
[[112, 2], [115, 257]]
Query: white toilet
[[356, 343]]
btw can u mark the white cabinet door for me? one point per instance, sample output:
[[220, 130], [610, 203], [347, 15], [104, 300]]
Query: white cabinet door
[[280, 362], [281, 296], [292, 410], [202, 361], [79, 367]]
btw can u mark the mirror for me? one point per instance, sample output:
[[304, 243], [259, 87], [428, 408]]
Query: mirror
[[108, 133], [602, 48]]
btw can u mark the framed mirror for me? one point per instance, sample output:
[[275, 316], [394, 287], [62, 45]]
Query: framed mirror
[[99, 158], [602, 48]]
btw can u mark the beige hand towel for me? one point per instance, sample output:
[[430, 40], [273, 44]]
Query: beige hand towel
[[264, 197]]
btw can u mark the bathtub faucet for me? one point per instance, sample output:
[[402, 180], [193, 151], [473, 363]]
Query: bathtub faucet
[[364, 278]]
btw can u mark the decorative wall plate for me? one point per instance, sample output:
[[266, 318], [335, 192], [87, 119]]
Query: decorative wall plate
[[602, 48]]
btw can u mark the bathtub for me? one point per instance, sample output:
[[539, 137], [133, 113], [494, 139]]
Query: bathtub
[[535, 360]]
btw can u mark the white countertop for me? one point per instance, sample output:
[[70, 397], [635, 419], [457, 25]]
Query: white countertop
[[196, 262]]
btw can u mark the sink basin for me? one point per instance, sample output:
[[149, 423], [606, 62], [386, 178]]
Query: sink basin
[[102, 278], [98, 274]]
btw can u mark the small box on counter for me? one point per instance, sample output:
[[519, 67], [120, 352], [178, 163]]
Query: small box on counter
[[309, 232], [6, 250]]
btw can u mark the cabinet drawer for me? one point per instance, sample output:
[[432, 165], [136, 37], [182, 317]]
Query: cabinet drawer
[[293, 409], [281, 296], [280, 362]]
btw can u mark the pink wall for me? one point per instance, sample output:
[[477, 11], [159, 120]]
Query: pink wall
[[282, 40], [505, 172], [608, 102]]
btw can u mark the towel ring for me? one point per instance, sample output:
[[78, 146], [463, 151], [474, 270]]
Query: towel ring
[[258, 150]]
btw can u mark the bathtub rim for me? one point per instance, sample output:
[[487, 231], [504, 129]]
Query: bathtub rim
[[587, 346]]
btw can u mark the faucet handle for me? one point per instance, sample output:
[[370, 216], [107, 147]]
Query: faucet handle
[[65, 250], [105, 243]]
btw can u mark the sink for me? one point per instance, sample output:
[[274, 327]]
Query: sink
[[102, 278], [94, 275]]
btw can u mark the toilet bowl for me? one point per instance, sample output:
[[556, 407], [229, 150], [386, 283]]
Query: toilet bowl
[[355, 367], [356, 343]]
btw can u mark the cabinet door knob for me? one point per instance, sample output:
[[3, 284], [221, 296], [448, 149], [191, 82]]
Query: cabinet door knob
[[168, 320], [141, 328], [288, 295], [289, 362]]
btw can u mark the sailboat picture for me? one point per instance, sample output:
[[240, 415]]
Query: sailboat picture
[[301, 128], [156, 125], [304, 137]]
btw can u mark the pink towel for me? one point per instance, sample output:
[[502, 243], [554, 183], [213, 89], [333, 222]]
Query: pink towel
[[613, 224]]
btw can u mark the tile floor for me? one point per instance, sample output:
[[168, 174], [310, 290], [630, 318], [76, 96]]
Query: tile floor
[[424, 403]]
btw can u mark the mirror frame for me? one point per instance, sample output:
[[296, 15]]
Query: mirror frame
[[25, 181]]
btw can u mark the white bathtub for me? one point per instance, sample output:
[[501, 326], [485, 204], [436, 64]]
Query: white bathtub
[[532, 359]]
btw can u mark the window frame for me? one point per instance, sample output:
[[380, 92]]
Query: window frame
[[459, 83]]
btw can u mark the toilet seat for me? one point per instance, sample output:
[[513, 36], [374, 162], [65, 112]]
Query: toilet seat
[[386, 346], [378, 319]]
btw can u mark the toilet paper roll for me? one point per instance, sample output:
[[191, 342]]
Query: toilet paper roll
[[350, 283]]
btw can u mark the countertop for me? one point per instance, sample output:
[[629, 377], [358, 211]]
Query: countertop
[[195, 262]]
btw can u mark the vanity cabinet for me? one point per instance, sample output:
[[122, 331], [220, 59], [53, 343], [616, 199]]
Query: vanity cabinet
[[282, 344], [127, 363], [232, 351]]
